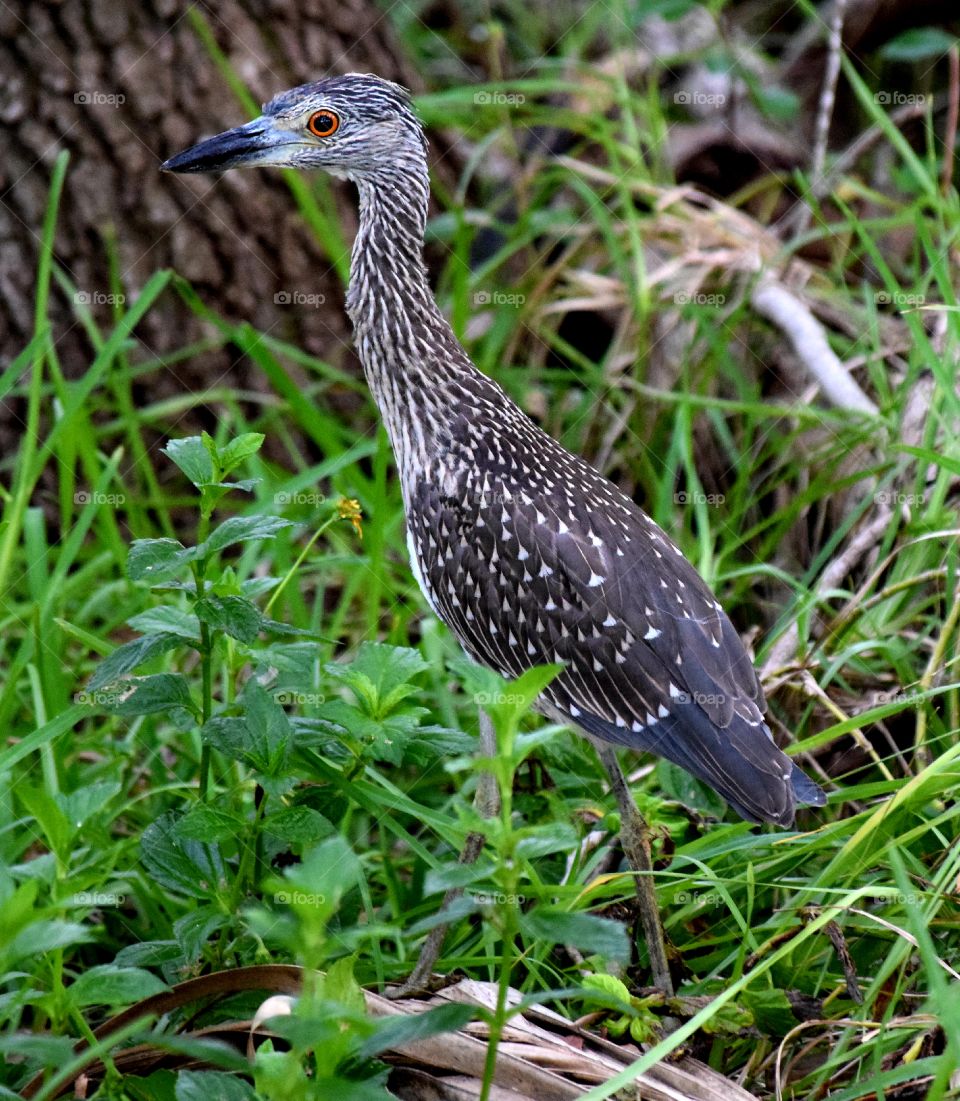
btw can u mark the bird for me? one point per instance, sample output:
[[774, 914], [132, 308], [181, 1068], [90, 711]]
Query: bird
[[528, 554]]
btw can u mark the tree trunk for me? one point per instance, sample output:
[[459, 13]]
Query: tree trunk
[[122, 85]]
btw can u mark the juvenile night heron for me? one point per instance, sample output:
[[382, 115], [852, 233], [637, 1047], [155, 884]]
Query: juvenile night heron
[[522, 549]]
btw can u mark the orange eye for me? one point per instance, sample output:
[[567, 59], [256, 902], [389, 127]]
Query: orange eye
[[323, 123]]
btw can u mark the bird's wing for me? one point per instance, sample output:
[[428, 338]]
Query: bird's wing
[[651, 661]]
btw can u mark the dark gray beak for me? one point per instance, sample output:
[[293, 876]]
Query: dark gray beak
[[258, 142]]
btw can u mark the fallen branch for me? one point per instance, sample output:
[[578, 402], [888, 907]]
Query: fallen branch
[[792, 316]]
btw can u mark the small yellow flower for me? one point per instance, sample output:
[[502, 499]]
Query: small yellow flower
[[349, 509]]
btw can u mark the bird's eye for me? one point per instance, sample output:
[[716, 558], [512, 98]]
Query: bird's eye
[[323, 123]]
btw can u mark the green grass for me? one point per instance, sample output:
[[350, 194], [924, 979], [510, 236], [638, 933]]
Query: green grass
[[333, 768]]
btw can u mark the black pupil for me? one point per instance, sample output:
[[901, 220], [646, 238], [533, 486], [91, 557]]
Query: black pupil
[[323, 123]]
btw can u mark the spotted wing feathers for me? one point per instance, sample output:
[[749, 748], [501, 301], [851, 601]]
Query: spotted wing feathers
[[574, 572]]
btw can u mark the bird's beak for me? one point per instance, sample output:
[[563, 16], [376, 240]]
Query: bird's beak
[[260, 142]]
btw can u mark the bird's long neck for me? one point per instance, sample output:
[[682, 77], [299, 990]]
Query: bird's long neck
[[413, 362]]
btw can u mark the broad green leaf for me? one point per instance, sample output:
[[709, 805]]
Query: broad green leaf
[[193, 459], [194, 930], [203, 822], [47, 935], [242, 529], [771, 1009], [432, 742], [232, 454], [86, 803], [127, 658], [298, 825], [325, 873], [112, 985], [340, 985], [149, 953], [212, 1085], [147, 695], [381, 739], [166, 619], [157, 560], [271, 735], [213, 452], [31, 1048], [511, 700], [233, 615], [261, 738], [730, 1018], [608, 984], [594, 935], [228, 734], [192, 867], [380, 675]]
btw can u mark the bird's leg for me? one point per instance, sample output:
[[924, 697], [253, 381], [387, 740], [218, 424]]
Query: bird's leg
[[487, 803], [635, 838]]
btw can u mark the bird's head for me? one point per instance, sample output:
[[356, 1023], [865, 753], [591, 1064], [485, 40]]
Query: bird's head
[[354, 126]]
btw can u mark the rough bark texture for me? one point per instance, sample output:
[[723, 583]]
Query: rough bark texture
[[122, 85]]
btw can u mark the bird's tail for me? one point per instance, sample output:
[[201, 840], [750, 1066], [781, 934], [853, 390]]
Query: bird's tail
[[805, 790]]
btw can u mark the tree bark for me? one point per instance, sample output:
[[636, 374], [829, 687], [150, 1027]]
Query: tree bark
[[122, 85]]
